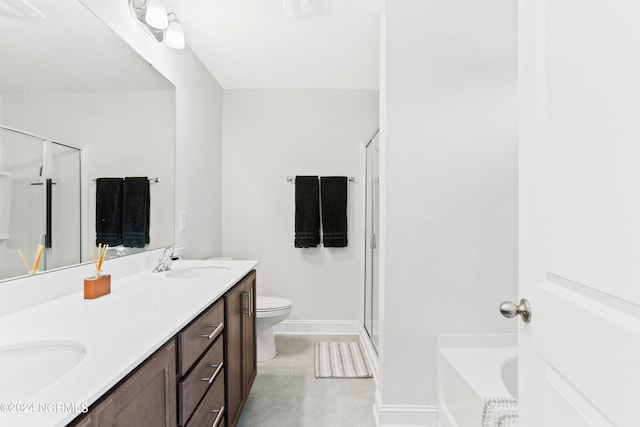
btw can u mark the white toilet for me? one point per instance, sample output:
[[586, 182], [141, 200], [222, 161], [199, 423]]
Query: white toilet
[[269, 312]]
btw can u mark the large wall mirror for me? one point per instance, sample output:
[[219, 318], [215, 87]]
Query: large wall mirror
[[72, 92]]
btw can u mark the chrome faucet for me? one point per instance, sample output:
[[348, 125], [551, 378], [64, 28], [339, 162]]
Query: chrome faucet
[[169, 255]]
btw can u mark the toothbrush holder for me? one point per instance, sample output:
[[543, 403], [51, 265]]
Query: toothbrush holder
[[97, 286]]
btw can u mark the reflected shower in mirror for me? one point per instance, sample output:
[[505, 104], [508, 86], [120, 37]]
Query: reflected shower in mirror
[[39, 199], [91, 92]]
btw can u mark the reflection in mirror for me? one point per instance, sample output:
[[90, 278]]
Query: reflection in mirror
[[40, 199], [22, 200], [62, 191], [71, 80]]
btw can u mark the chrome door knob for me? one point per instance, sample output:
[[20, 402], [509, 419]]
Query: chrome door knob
[[510, 310]]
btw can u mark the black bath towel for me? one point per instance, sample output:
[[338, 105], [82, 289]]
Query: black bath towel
[[136, 209], [333, 196], [307, 212], [109, 211]]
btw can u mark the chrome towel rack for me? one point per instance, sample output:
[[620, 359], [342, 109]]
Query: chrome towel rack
[[153, 180], [293, 179]]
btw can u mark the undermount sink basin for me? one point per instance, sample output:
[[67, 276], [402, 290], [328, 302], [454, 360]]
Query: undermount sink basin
[[30, 367], [200, 272]]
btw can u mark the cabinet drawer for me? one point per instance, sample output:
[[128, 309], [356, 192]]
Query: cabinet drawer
[[193, 386], [196, 337], [210, 412]]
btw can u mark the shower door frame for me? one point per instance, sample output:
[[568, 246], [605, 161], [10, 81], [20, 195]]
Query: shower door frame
[[371, 233]]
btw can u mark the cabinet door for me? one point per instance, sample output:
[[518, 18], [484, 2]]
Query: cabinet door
[[147, 398], [234, 311], [249, 353]]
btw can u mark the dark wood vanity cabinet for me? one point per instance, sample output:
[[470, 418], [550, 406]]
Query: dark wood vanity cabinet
[[147, 398], [199, 378], [201, 369], [240, 345]]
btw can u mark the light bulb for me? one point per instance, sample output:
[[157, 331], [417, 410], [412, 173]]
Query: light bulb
[[156, 14], [174, 36]]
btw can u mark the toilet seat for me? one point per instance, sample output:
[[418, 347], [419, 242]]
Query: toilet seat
[[266, 304]]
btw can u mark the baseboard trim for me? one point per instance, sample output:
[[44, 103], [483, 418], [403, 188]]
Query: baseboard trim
[[405, 415], [317, 327], [369, 353]]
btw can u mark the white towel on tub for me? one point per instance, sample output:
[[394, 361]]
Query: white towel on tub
[[499, 412]]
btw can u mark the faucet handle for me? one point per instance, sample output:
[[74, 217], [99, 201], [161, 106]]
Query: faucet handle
[[176, 252], [171, 253]]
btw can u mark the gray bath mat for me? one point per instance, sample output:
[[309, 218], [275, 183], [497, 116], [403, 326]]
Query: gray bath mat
[[341, 360]]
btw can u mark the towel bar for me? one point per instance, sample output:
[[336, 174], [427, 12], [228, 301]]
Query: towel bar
[[151, 180], [293, 179]]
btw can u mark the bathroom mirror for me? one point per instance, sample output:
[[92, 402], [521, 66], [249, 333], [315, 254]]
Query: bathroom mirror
[[66, 77]]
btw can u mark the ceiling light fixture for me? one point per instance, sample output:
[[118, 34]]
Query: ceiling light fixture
[[153, 17], [155, 14], [174, 36]]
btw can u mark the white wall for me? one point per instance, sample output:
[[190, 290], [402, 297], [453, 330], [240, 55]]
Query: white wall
[[449, 187], [269, 135], [198, 130]]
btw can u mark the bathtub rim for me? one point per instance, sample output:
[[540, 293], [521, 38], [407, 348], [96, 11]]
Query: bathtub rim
[[449, 412]]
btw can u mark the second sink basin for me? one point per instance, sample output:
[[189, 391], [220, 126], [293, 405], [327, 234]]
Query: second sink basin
[[199, 272], [30, 367]]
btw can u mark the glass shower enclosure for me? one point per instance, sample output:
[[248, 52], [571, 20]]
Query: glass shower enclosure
[[372, 225], [39, 202]]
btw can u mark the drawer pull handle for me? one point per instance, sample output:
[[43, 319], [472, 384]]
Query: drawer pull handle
[[247, 309], [220, 413], [214, 375], [215, 331]]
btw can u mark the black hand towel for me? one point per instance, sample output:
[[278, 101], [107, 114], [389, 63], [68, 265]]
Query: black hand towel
[[307, 212], [135, 215], [109, 211], [333, 196]]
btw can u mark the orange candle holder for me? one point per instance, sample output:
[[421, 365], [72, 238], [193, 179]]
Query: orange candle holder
[[97, 286]]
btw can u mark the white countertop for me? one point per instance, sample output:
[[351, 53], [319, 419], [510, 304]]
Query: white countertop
[[119, 330]]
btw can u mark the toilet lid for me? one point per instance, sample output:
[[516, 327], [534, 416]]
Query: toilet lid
[[264, 303]]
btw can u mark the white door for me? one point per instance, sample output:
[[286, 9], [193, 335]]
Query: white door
[[579, 72]]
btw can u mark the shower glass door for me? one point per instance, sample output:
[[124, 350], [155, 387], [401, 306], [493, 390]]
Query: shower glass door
[[62, 211], [39, 203], [371, 296], [22, 224]]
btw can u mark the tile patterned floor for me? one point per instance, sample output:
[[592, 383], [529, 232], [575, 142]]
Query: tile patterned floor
[[287, 394]]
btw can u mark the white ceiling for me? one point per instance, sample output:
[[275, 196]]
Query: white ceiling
[[252, 44]]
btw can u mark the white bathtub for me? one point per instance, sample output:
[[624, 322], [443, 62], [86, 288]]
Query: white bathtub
[[472, 368]]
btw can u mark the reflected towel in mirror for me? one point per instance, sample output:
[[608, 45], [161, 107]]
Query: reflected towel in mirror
[[109, 211], [136, 209]]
